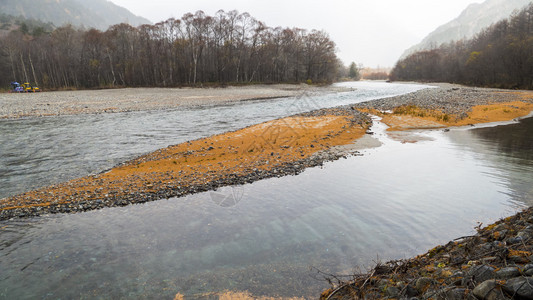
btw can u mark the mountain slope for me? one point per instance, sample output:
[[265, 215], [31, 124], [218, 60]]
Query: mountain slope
[[90, 13], [471, 21]]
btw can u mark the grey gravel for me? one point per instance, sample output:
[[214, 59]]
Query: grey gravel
[[18, 105], [450, 99]]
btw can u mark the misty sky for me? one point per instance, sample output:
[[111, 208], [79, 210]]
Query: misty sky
[[371, 32]]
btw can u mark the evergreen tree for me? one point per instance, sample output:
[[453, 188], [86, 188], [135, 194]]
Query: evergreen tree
[[353, 72]]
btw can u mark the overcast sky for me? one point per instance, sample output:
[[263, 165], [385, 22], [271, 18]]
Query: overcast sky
[[371, 32]]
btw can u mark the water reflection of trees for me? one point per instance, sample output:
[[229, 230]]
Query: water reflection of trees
[[512, 140], [507, 152]]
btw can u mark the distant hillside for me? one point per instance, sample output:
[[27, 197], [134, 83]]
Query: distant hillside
[[30, 26], [500, 56], [89, 13], [471, 21]]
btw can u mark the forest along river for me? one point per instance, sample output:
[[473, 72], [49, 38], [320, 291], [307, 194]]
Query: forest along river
[[395, 201]]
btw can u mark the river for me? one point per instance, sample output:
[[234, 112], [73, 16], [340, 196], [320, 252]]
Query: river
[[395, 201], [38, 152]]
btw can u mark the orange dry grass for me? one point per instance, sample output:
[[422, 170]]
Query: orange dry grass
[[260, 147], [513, 252], [412, 117], [249, 296], [497, 112]]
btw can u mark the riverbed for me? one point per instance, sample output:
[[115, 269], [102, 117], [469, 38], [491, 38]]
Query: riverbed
[[40, 151], [268, 237]]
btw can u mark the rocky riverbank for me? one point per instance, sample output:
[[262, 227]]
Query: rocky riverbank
[[496, 263]]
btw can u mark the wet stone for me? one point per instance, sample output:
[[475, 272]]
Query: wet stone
[[393, 291], [500, 235], [410, 291], [528, 270], [515, 240], [520, 287], [489, 259], [451, 293], [498, 244], [519, 259], [423, 283], [524, 234], [382, 284], [508, 273], [479, 274], [499, 227], [486, 246], [489, 290]]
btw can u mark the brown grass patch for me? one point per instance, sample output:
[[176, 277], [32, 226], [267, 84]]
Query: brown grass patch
[[414, 117], [497, 112]]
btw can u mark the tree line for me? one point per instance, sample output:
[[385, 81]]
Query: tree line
[[499, 56], [229, 47]]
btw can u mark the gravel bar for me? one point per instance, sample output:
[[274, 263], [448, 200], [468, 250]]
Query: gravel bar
[[272, 149], [451, 99], [18, 105]]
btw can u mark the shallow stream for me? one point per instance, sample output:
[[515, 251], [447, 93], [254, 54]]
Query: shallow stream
[[270, 237]]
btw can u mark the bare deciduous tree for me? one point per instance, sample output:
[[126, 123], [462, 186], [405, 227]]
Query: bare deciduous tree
[[196, 49]]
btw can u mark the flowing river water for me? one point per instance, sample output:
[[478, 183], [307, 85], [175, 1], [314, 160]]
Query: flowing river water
[[395, 201]]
